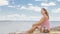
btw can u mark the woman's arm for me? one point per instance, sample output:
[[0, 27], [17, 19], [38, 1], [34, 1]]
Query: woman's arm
[[42, 20]]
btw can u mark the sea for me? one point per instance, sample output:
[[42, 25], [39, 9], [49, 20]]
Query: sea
[[20, 26]]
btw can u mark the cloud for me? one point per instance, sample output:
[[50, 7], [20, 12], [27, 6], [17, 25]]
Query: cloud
[[56, 10], [52, 4], [48, 4], [54, 18], [41, 0], [16, 7], [11, 6], [58, 0], [24, 17], [3, 2], [55, 14], [12, 17], [29, 4], [23, 7], [19, 17], [31, 7], [35, 8]]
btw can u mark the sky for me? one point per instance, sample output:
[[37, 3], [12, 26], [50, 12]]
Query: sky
[[29, 9]]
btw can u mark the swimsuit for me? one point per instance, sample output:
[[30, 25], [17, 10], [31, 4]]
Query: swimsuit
[[45, 24]]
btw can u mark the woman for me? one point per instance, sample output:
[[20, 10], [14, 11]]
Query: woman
[[43, 24]]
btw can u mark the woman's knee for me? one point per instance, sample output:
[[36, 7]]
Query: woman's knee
[[34, 25]]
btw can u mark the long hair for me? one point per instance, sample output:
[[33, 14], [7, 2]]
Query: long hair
[[46, 12]]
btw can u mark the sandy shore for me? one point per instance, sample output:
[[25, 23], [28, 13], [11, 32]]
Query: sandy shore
[[55, 30], [37, 32]]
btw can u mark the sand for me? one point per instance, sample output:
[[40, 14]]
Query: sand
[[37, 32]]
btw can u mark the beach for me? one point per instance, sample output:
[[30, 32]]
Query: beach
[[20, 26], [37, 32]]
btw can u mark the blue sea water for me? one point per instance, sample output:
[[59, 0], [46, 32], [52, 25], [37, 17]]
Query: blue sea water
[[19, 26]]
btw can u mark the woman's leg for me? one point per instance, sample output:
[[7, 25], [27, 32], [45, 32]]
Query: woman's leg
[[44, 30], [41, 29], [32, 29]]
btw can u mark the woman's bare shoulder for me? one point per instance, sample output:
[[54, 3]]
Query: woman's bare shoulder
[[44, 18]]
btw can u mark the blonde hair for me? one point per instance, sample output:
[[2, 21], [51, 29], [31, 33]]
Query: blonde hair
[[45, 12]]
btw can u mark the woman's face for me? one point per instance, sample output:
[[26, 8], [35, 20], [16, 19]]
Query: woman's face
[[42, 12]]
